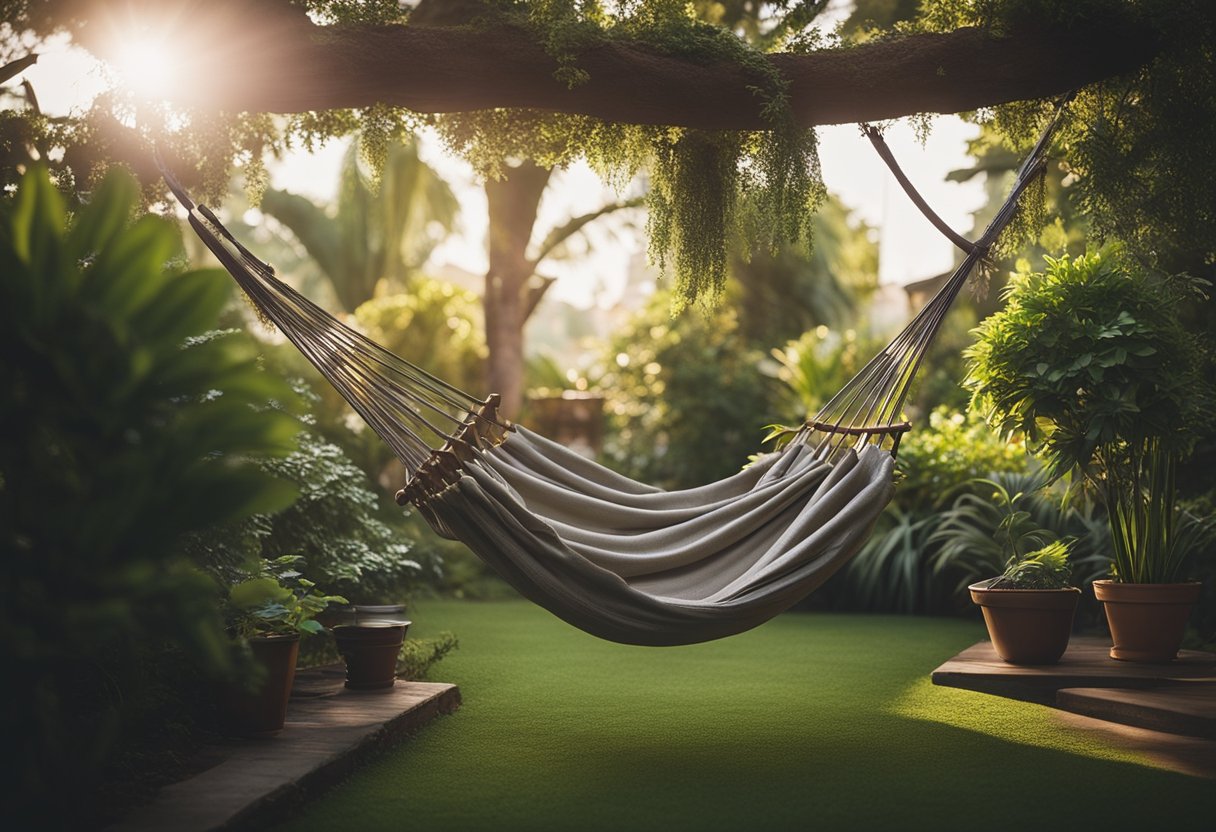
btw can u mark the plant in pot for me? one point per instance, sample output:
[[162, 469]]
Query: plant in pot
[[1089, 360], [1029, 607], [369, 648], [268, 609]]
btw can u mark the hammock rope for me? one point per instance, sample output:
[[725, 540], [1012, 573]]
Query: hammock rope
[[618, 558]]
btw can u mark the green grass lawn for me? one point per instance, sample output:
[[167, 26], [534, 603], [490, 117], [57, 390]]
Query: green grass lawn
[[810, 722]]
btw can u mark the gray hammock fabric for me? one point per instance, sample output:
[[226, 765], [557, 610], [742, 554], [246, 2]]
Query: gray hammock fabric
[[620, 559], [666, 567]]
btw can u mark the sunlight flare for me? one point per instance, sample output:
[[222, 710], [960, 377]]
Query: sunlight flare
[[146, 66]]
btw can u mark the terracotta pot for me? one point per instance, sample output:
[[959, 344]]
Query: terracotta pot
[[370, 651], [1027, 626], [262, 712], [1147, 621], [363, 614]]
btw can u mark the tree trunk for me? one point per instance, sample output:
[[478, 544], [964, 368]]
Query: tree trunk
[[513, 204]]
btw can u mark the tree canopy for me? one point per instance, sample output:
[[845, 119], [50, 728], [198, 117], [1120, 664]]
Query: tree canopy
[[717, 100]]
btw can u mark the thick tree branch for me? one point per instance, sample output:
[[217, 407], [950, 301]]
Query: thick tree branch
[[298, 66]]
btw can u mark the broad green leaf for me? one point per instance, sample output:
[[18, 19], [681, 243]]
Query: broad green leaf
[[38, 220], [130, 270], [108, 210], [188, 303]]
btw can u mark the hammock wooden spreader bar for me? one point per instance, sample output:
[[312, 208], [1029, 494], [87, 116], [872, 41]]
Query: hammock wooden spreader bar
[[618, 558]]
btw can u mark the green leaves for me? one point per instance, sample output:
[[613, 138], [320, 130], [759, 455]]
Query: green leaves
[[1045, 568], [257, 592], [1090, 360], [1086, 356], [125, 427], [275, 598]]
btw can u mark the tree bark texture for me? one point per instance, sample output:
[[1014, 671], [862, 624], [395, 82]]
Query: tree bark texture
[[287, 64], [513, 204]]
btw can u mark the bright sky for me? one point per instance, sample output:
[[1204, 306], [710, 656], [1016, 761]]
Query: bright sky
[[910, 248]]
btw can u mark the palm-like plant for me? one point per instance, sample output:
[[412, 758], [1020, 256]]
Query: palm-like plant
[[378, 232]]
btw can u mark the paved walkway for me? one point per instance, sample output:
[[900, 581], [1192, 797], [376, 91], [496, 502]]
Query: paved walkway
[[1165, 710], [329, 731]]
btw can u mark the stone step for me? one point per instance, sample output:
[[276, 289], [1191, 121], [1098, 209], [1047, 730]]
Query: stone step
[[329, 730]]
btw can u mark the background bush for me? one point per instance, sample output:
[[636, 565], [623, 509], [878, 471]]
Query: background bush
[[686, 399]]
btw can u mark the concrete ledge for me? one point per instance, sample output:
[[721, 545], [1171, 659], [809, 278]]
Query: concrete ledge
[[327, 734]]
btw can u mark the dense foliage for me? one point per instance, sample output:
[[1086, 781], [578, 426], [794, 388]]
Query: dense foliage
[[272, 597], [348, 542], [952, 450], [1135, 145], [1091, 362], [126, 424], [686, 403], [937, 467], [1087, 356]]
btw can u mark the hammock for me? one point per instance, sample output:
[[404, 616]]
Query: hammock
[[620, 559]]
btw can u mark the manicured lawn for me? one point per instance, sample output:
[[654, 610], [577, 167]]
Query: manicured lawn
[[811, 722]]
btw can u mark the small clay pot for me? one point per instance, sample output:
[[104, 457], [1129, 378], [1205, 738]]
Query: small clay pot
[[262, 712], [1027, 626], [363, 614], [370, 651], [1147, 621]]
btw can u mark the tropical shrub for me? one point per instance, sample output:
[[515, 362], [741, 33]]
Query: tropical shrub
[[817, 365], [419, 655], [348, 541], [955, 448], [686, 401], [1091, 362], [126, 424], [434, 325]]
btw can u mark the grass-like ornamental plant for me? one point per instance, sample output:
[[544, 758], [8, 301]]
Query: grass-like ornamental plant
[[1090, 362], [991, 529], [1045, 568]]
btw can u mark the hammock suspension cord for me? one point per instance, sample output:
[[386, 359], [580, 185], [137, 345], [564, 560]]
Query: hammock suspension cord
[[414, 411], [618, 558]]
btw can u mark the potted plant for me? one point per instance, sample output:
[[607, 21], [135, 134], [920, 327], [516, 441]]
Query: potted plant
[[1090, 361], [370, 649], [1029, 608], [268, 609]]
